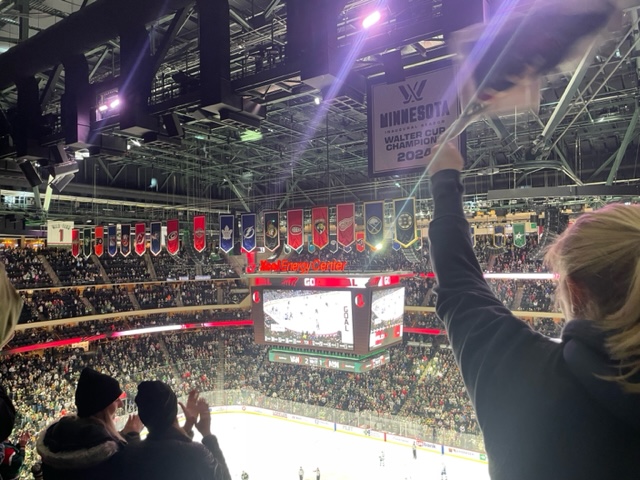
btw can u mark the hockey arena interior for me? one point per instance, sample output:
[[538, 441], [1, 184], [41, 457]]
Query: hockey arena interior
[[232, 200]]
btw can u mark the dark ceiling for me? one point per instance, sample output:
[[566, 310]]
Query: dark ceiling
[[281, 61]]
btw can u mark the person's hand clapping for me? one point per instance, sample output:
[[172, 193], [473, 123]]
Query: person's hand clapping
[[204, 423], [133, 425], [445, 157], [190, 410]]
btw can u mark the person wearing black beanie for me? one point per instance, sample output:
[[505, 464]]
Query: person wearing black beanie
[[168, 451], [88, 445]]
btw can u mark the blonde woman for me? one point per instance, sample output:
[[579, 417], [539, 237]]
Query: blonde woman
[[566, 411], [87, 445]]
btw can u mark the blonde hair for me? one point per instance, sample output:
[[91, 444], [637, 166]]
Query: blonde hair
[[600, 256], [106, 421]]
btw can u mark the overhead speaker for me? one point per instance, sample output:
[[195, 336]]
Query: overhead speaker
[[393, 68], [172, 125], [30, 173]]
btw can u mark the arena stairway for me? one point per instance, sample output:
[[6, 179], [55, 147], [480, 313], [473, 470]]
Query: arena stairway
[[103, 272], [150, 268], [49, 269], [134, 300]]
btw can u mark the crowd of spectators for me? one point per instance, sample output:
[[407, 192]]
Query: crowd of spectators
[[70, 270], [173, 267], [52, 305], [526, 259], [198, 293], [109, 300], [538, 296], [24, 268], [156, 296], [126, 269]]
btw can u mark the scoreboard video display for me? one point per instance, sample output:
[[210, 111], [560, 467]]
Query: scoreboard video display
[[343, 315]]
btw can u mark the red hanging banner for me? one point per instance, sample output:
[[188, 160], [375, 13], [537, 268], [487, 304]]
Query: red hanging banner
[[360, 241], [98, 246], [173, 237], [199, 233], [295, 229], [346, 221], [320, 226], [141, 238], [75, 242]]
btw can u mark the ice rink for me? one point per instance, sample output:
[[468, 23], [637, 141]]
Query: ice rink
[[271, 449]]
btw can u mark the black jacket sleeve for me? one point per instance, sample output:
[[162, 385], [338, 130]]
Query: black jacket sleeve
[[493, 348], [211, 442]]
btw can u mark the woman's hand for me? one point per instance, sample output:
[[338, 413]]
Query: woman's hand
[[445, 157]]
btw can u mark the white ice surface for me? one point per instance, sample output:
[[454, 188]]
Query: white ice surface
[[272, 449]]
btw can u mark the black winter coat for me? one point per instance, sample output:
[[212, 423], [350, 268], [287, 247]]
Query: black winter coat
[[174, 456], [543, 411], [76, 448]]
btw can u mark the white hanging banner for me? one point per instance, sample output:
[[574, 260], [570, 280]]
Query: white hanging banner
[[59, 232]]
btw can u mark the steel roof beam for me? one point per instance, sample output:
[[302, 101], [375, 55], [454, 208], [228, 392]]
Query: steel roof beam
[[628, 137]]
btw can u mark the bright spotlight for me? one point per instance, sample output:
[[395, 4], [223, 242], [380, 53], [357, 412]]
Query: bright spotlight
[[316, 100], [115, 103], [103, 108], [371, 19]]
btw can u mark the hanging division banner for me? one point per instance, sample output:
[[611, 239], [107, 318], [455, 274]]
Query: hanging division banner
[[86, 242], [173, 236], [75, 242], [112, 240], [295, 229], [406, 120], [248, 226], [374, 224], [156, 233], [320, 226], [519, 237], [271, 231], [360, 241], [226, 233], [404, 212], [346, 223], [199, 233], [310, 246], [498, 236], [141, 238], [98, 247], [59, 233], [125, 240], [333, 243]]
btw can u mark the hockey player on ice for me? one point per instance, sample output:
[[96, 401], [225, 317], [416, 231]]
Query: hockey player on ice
[[382, 458], [301, 473]]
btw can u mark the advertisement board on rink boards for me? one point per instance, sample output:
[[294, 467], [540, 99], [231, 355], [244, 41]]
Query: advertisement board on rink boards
[[406, 119]]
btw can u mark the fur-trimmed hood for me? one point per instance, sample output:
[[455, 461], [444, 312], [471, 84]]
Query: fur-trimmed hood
[[74, 443]]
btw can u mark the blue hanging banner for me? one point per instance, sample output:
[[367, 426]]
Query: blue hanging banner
[[248, 226], [226, 233], [156, 232], [112, 241]]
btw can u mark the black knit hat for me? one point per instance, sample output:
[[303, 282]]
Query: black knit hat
[[95, 392], [7, 415], [157, 405]]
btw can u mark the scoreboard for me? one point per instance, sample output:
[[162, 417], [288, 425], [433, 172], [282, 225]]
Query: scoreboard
[[353, 315], [332, 362]]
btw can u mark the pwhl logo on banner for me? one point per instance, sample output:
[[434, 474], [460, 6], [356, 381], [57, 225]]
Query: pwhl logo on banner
[[412, 93]]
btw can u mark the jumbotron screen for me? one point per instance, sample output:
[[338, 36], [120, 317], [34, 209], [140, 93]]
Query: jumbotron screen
[[310, 318], [387, 317]]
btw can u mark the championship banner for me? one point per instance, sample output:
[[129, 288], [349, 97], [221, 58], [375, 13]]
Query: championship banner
[[173, 236], [295, 229], [374, 224], [98, 247], [320, 226], [226, 232], [199, 233], [346, 222], [406, 119], [125, 240], [59, 233], [498, 236], [519, 237], [360, 241], [271, 231], [156, 233], [86, 242], [333, 243], [75, 242], [310, 246], [141, 238], [248, 226], [404, 211], [112, 240]]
